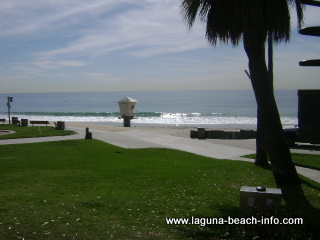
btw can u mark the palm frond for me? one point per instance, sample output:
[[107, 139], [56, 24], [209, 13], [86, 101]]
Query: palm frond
[[300, 15], [228, 20], [189, 10]]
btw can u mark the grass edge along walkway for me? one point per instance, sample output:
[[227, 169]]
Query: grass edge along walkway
[[93, 190], [30, 132], [305, 160]]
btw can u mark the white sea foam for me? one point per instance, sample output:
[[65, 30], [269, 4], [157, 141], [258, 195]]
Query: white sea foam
[[164, 119]]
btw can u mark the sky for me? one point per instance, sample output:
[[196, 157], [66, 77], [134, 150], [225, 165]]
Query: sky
[[131, 45]]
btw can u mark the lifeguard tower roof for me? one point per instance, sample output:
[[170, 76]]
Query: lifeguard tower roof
[[127, 99]]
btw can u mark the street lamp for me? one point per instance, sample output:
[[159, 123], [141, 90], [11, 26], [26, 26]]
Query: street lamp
[[10, 99]]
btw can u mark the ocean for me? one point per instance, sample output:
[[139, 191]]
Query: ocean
[[211, 108]]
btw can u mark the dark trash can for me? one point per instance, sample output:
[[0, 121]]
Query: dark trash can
[[193, 134], [15, 121], [202, 133], [24, 122], [61, 125]]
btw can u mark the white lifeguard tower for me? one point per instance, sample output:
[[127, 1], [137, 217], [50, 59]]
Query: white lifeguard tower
[[127, 105]]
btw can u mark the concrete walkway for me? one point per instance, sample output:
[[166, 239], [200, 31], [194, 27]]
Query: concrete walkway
[[137, 138]]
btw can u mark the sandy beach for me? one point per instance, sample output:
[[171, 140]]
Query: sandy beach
[[177, 131]]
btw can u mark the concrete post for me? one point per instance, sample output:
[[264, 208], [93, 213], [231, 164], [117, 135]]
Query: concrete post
[[88, 134]]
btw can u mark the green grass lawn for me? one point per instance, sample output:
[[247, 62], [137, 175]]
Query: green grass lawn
[[302, 160], [87, 189], [28, 132], [306, 160]]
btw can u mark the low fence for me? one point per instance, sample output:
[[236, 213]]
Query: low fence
[[201, 133]]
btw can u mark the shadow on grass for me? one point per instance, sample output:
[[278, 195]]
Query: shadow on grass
[[310, 185], [214, 231], [298, 205], [297, 208], [296, 230]]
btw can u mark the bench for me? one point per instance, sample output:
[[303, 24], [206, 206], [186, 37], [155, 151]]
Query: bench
[[39, 122], [3, 120]]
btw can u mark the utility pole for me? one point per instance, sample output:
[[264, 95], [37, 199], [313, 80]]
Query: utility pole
[[10, 99]]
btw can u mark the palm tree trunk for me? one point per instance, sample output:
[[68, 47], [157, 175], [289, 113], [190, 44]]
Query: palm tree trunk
[[261, 150], [270, 57], [283, 168]]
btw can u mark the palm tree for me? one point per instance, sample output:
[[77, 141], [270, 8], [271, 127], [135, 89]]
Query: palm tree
[[261, 151], [229, 21]]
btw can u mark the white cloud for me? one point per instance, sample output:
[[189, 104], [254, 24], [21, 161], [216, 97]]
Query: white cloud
[[25, 17], [143, 43], [154, 28]]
